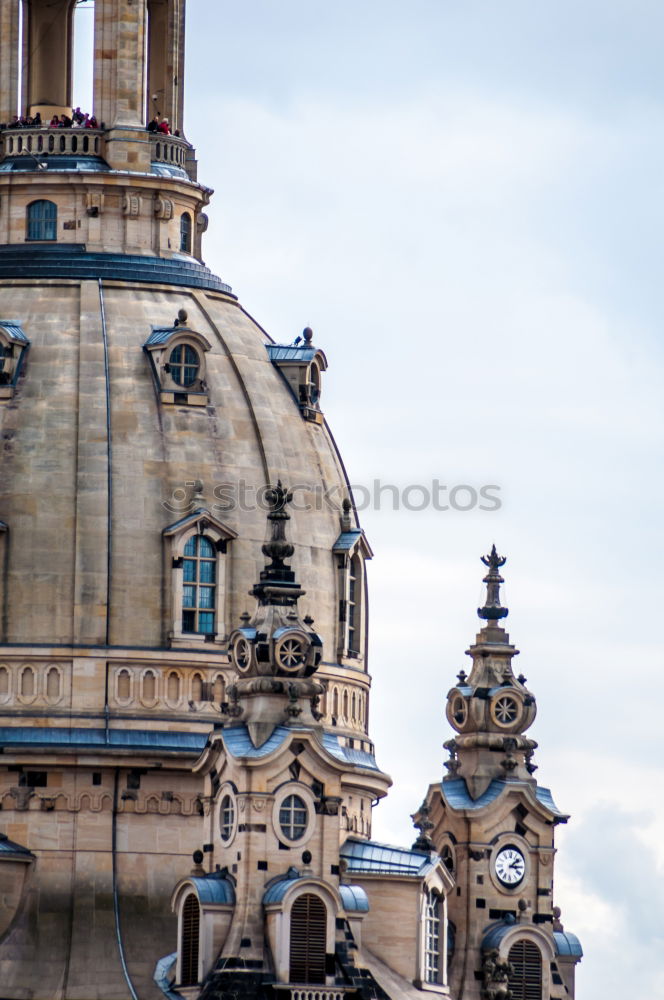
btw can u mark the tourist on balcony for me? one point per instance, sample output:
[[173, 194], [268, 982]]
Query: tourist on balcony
[[91, 122], [164, 127], [153, 124]]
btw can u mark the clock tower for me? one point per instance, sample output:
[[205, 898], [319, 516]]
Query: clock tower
[[494, 826]]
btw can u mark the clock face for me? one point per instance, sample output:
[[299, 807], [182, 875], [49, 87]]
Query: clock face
[[510, 866]]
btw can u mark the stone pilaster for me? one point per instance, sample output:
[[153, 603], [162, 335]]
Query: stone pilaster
[[9, 61], [120, 62]]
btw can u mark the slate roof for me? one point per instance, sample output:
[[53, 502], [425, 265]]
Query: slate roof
[[214, 889], [361, 758], [278, 352], [238, 743], [143, 739], [456, 794], [9, 849], [346, 541], [369, 857], [567, 944], [14, 330]]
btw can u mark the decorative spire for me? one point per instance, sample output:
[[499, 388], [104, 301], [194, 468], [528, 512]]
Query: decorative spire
[[277, 548], [493, 609]]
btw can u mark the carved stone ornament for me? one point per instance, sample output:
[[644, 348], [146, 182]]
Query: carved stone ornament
[[163, 208], [496, 972], [131, 206]]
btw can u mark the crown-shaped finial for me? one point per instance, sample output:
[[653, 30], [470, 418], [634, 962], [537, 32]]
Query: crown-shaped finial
[[493, 609]]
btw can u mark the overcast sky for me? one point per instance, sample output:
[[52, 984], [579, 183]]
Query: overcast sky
[[464, 200]]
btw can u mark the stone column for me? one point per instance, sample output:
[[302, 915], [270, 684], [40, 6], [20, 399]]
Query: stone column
[[119, 71], [9, 60]]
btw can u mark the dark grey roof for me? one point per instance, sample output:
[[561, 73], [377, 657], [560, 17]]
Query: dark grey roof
[[278, 889], [9, 849], [31, 163], [354, 898], [346, 541], [495, 934], [214, 889], [382, 859], [279, 352], [169, 170], [238, 742], [567, 944], [349, 755], [456, 794], [71, 260], [130, 739], [14, 330]]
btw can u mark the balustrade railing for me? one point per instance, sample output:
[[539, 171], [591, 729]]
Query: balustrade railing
[[169, 149], [51, 141]]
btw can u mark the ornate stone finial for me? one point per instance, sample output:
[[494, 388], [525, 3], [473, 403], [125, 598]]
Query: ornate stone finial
[[493, 609], [308, 335], [423, 824], [182, 317], [346, 508], [277, 548]]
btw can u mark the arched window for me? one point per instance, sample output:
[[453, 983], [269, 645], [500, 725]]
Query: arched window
[[124, 685], [199, 586], [226, 818], [526, 979], [173, 687], [183, 365], [42, 220], [354, 607], [197, 688], [308, 935], [219, 689], [432, 938], [4, 681], [185, 232], [190, 935]]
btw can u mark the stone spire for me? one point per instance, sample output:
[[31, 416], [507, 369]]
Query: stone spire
[[491, 709], [275, 652]]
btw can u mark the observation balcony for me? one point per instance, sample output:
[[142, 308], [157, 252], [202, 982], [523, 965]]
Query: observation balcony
[[52, 141], [170, 155]]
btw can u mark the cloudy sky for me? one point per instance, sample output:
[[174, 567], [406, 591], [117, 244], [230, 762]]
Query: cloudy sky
[[464, 200]]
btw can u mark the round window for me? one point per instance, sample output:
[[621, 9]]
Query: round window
[[292, 652], [226, 818], [293, 817], [459, 710], [505, 710], [183, 364], [242, 655]]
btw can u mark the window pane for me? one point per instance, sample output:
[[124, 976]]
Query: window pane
[[189, 597], [207, 573], [189, 570], [188, 621], [190, 547], [206, 597], [206, 623], [205, 549]]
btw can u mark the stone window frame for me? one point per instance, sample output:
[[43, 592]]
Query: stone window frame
[[8, 695], [354, 558], [227, 790], [175, 536], [186, 232], [440, 882], [303, 792], [27, 699], [44, 222], [279, 922]]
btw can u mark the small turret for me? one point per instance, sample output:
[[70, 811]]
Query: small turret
[[491, 709], [275, 652]]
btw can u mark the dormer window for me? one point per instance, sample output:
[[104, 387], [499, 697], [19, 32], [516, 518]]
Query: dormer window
[[199, 586], [41, 220], [13, 349], [177, 357], [301, 364]]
